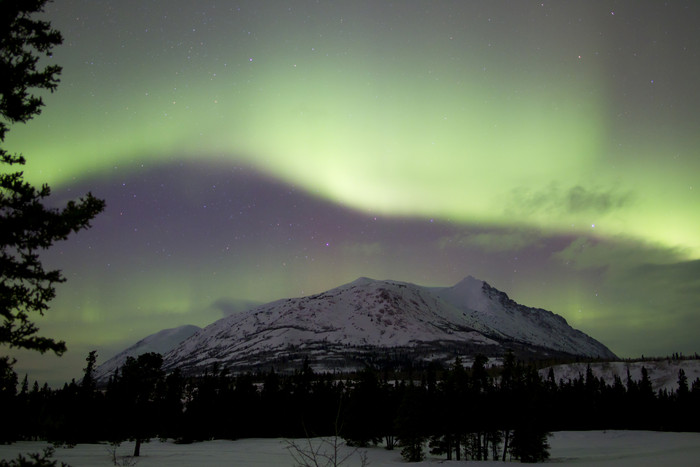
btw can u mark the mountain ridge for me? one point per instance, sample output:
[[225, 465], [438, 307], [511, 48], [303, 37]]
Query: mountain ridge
[[370, 321]]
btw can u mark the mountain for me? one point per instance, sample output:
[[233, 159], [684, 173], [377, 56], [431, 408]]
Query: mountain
[[161, 342], [378, 322]]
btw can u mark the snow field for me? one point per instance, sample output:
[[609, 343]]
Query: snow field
[[591, 448]]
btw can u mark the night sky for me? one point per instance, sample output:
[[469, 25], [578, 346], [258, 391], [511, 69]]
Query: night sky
[[250, 151]]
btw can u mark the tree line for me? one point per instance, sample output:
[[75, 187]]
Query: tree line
[[474, 413]]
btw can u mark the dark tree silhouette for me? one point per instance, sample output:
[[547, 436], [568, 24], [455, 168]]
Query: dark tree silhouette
[[510, 397], [511, 415], [34, 460], [137, 396], [87, 404], [451, 413], [363, 424], [28, 226], [88, 384], [530, 444], [8, 391], [682, 391], [411, 424], [21, 39]]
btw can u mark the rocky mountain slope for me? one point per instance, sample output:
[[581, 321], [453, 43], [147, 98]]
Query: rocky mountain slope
[[374, 322]]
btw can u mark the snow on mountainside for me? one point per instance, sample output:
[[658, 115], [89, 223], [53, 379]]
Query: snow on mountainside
[[161, 342], [349, 324], [493, 312]]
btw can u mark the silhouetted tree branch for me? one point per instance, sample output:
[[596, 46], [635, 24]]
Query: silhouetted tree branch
[[28, 225]]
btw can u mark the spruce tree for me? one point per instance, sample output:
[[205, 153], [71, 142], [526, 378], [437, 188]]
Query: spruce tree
[[457, 406], [410, 425], [530, 444], [362, 425], [88, 384], [87, 404], [8, 393], [28, 225], [136, 397], [645, 387], [682, 391]]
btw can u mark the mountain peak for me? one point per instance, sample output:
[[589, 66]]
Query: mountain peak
[[469, 292], [469, 279], [362, 281], [367, 320], [469, 283]]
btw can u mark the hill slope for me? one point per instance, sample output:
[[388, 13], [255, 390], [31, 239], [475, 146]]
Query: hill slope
[[372, 321], [161, 342]]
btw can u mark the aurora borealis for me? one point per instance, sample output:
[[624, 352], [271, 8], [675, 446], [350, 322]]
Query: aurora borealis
[[250, 151]]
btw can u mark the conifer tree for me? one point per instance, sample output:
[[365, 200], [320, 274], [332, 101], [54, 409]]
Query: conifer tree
[[137, 395], [172, 405], [458, 407], [88, 384], [8, 391], [87, 404], [28, 226], [530, 444], [362, 425], [411, 426], [682, 391], [479, 376], [510, 397], [645, 387]]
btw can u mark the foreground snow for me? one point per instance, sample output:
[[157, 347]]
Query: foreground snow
[[596, 448]]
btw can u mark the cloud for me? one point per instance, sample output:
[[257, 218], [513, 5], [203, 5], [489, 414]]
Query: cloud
[[617, 253], [579, 199], [573, 200]]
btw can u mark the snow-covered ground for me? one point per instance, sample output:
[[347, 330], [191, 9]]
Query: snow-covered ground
[[595, 448], [663, 374]]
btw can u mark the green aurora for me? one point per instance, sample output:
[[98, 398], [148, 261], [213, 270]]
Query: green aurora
[[562, 135]]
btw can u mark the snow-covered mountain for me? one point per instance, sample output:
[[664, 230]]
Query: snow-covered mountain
[[370, 320], [161, 342]]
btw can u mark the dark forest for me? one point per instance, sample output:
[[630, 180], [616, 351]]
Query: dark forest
[[474, 413]]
